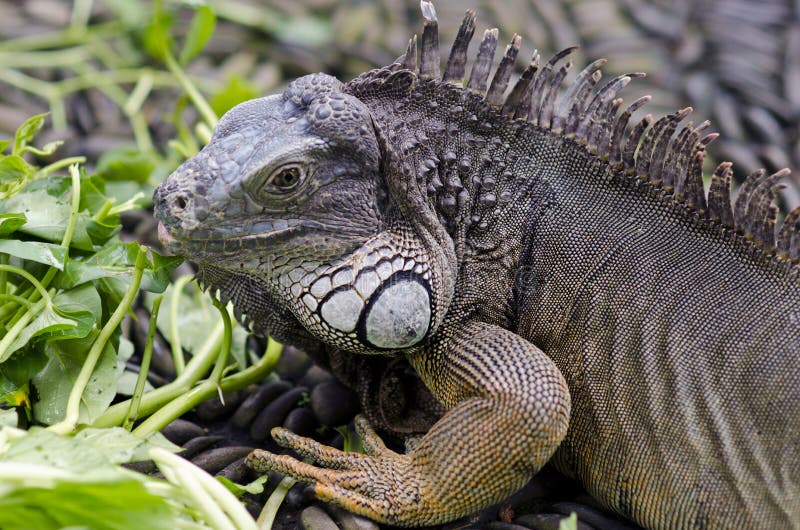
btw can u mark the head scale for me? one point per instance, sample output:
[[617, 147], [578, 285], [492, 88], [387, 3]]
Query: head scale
[[288, 201]]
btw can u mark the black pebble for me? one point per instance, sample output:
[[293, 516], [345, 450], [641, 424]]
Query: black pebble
[[274, 413], [256, 401], [214, 460], [292, 364], [181, 431], [198, 445], [333, 403], [214, 409], [314, 376], [315, 518], [297, 496], [301, 421], [236, 471]]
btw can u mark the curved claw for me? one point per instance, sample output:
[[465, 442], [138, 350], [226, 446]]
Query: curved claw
[[373, 444], [382, 485]]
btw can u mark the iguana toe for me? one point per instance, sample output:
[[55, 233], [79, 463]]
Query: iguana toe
[[383, 486]]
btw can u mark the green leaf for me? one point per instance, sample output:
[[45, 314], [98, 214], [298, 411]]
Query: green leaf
[[16, 373], [93, 196], [26, 132], [569, 523], [52, 482], [8, 418], [40, 446], [125, 163], [112, 260], [79, 502], [47, 214], [83, 298], [52, 322], [157, 278], [235, 91], [256, 487], [55, 381], [120, 446], [14, 172], [4, 144], [157, 37], [100, 232], [13, 169], [200, 31], [10, 222], [47, 253]]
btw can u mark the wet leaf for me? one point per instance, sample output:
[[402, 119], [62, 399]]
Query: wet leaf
[[52, 322], [119, 445], [55, 381], [26, 132], [10, 222], [47, 253]]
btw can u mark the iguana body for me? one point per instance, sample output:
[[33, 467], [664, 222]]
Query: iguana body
[[563, 289]]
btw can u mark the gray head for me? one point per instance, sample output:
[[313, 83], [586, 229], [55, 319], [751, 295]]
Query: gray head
[[285, 212]]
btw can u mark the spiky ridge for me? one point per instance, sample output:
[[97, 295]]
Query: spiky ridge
[[588, 114]]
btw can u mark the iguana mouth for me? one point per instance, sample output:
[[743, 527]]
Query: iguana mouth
[[164, 236], [282, 231]]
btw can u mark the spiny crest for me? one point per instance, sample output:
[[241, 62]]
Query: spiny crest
[[588, 113]]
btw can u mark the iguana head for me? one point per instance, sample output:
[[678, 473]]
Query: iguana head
[[286, 213]]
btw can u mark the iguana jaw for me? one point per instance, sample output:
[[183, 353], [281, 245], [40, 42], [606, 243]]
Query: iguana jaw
[[378, 298]]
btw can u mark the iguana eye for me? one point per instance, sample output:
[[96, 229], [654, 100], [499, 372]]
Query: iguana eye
[[285, 178], [277, 184]]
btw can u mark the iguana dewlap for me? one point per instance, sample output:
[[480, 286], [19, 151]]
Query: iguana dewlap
[[563, 287]]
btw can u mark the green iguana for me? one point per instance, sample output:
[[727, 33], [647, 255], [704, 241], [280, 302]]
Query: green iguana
[[564, 288]]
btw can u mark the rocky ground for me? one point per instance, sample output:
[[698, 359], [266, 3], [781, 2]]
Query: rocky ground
[[736, 62]]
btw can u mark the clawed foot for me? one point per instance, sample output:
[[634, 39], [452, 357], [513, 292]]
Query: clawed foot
[[381, 484]]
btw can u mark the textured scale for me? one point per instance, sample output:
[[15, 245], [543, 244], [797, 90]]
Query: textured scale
[[547, 261]]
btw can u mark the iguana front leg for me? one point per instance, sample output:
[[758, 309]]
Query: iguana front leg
[[508, 409]]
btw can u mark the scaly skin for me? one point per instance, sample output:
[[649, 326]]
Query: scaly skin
[[562, 292]]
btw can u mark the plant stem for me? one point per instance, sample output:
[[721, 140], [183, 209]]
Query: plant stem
[[55, 166], [75, 173], [218, 505], [187, 401], [209, 116], [62, 37], [20, 324], [136, 398], [225, 350], [44, 59], [81, 11], [18, 299], [41, 289], [174, 332], [3, 274], [199, 365], [70, 421], [9, 307], [270, 510]]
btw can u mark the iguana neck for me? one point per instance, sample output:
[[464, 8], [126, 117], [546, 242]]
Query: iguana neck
[[473, 170]]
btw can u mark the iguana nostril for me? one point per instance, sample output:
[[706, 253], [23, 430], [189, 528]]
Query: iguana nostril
[[180, 202]]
